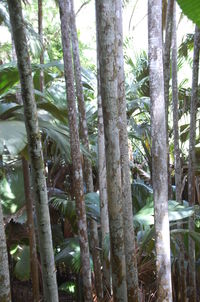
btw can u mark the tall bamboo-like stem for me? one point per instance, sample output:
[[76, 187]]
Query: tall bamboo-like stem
[[192, 159], [31, 227], [159, 152], [35, 152], [129, 238], [5, 291], [65, 10], [102, 177], [87, 168], [177, 159], [40, 32], [166, 70], [106, 28]]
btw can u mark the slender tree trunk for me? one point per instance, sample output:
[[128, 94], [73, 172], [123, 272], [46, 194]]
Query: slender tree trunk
[[87, 169], [106, 28], [35, 152], [192, 159], [177, 159], [40, 32], [105, 235], [64, 6], [103, 193], [166, 69], [159, 152], [129, 239], [5, 292], [32, 239]]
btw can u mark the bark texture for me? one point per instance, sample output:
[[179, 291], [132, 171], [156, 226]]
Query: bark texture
[[129, 238], [166, 69], [5, 292], [75, 149], [106, 28], [35, 152], [87, 168], [191, 168], [159, 152], [103, 190], [105, 235], [31, 227], [177, 159]]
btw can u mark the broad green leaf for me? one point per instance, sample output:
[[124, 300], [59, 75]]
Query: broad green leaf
[[12, 136], [191, 8]]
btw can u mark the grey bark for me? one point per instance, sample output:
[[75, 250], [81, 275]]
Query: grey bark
[[105, 235], [106, 28], [5, 292], [35, 152], [75, 149], [166, 69], [129, 238], [192, 159], [87, 168], [177, 159], [31, 227], [159, 152]]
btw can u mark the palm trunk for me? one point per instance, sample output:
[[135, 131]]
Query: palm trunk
[[129, 239], [64, 6], [5, 292], [87, 169], [106, 28], [32, 239], [166, 66], [159, 152], [105, 235], [35, 152], [40, 32], [191, 169], [177, 159]]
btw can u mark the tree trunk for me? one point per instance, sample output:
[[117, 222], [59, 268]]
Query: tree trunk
[[87, 168], [159, 152], [35, 152], [192, 159], [166, 66], [177, 159], [32, 239], [105, 235], [40, 32], [106, 28], [64, 6], [129, 239], [5, 292]]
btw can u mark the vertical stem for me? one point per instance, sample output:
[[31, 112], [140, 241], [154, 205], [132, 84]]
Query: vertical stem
[[87, 168], [40, 32], [159, 154], [129, 238], [177, 159], [192, 160], [35, 153], [5, 291], [65, 10], [102, 175], [31, 227], [166, 69], [106, 28]]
